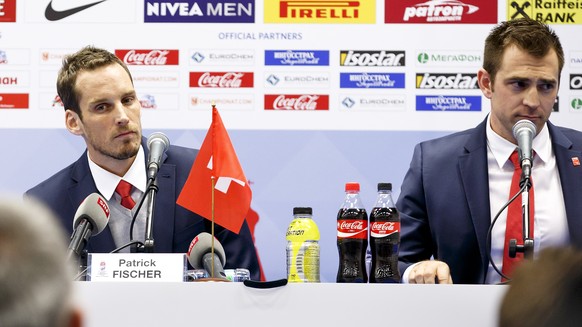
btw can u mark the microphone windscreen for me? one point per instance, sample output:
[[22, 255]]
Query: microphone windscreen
[[94, 208], [524, 125], [158, 137], [201, 245]]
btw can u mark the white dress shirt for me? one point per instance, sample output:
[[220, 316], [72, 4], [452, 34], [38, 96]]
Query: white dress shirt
[[550, 224], [120, 217]]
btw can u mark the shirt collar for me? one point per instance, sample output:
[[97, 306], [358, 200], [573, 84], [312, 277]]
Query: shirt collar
[[106, 182], [502, 148]]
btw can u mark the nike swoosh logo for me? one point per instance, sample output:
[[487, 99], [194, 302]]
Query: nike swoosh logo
[[54, 15]]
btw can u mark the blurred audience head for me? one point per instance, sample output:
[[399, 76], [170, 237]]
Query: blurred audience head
[[545, 292], [35, 277]]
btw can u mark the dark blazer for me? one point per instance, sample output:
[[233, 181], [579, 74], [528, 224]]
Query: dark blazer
[[444, 200], [174, 227]]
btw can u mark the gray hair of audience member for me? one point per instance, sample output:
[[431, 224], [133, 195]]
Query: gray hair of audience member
[[545, 292], [35, 277]]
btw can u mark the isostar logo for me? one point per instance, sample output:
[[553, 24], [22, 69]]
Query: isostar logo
[[7, 11], [222, 79], [372, 80], [446, 81], [153, 57], [13, 100], [575, 81], [302, 102], [201, 11], [384, 58], [352, 228], [380, 229], [323, 11], [440, 11], [448, 103], [296, 58]]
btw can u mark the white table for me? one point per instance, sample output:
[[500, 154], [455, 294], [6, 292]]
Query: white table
[[325, 304]]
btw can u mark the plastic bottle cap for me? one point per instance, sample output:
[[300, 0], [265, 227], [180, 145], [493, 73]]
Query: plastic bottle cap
[[384, 186], [353, 186], [302, 211]]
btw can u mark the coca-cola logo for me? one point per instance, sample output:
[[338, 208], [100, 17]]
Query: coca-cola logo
[[351, 225], [221, 79], [384, 228], [153, 57], [296, 102], [352, 228]]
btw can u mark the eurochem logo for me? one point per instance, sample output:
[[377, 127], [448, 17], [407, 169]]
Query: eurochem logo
[[372, 80], [448, 103], [383, 58], [199, 11], [296, 58]]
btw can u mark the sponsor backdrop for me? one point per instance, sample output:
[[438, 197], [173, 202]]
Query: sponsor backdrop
[[313, 93]]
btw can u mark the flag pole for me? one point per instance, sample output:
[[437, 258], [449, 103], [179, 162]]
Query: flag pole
[[213, 186]]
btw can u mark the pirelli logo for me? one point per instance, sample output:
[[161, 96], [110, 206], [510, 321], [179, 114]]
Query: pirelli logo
[[297, 11]]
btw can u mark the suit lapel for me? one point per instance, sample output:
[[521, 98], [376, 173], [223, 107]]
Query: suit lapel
[[164, 209], [474, 176], [571, 180], [83, 185]]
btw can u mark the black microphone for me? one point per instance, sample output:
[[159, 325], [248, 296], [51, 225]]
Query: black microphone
[[200, 255], [90, 219], [158, 143], [524, 132]]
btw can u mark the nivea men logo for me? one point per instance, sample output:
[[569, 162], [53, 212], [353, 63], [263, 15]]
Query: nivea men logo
[[575, 81], [446, 81], [203, 11], [296, 58], [448, 103], [372, 80], [382, 58]]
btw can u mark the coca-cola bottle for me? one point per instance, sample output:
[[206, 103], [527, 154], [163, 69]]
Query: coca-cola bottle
[[384, 237], [352, 237]]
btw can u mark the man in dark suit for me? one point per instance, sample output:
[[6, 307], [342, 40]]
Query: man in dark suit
[[456, 184], [101, 105]]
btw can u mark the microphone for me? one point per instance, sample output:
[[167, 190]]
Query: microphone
[[524, 132], [90, 219], [200, 255], [158, 143]]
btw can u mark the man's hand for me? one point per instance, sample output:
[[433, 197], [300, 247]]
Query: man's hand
[[430, 272]]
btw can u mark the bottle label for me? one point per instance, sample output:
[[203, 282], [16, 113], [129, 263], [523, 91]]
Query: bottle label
[[384, 228], [352, 228]]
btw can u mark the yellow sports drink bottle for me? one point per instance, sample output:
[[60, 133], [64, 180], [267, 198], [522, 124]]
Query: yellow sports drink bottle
[[303, 247]]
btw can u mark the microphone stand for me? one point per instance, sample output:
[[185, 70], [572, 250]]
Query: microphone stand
[[149, 228], [528, 243], [148, 245]]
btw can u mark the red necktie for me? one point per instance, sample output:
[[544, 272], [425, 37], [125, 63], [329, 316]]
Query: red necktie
[[513, 228], [124, 190]]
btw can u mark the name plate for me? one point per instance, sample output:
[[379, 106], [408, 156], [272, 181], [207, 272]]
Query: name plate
[[136, 267]]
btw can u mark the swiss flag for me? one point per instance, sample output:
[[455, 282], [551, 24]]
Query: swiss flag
[[232, 194]]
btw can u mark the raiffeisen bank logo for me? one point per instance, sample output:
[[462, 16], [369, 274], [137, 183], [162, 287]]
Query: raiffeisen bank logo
[[325, 12], [204, 11], [440, 11]]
